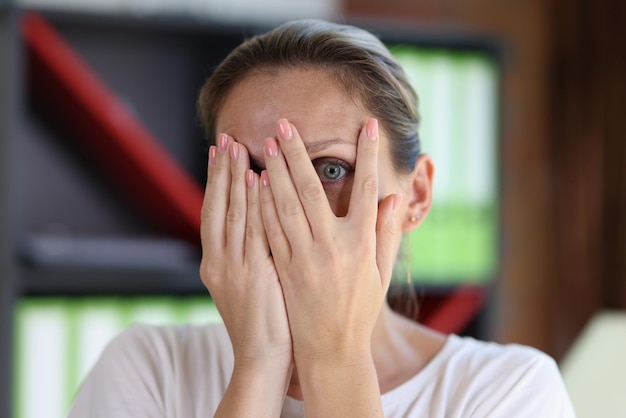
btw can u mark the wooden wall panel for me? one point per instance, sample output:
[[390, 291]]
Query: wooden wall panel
[[588, 136]]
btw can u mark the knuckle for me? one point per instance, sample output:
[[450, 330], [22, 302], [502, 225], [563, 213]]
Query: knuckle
[[273, 230], [313, 192], [220, 169], [266, 198], [252, 199], [292, 208], [389, 229], [291, 152], [236, 174], [208, 212], [234, 214], [369, 185], [253, 232]]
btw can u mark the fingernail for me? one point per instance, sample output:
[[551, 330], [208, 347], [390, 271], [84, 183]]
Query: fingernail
[[396, 203], [250, 178], [271, 147], [265, 180], [212, 155], [284, 129], [222, 142], [372, 129], [234, 152]]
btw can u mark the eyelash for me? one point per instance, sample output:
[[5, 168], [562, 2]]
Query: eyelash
[[347, 168], [319, 163]]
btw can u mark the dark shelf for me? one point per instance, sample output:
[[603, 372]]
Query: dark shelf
[[60, 281], [108, 265]]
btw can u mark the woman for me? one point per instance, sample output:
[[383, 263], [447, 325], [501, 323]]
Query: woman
[[314, 175]]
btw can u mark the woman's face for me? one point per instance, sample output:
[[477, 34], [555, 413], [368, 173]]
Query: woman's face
[[327, 119]]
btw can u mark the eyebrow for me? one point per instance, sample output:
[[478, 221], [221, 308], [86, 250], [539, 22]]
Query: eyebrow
[[322, 145], [258, 164]]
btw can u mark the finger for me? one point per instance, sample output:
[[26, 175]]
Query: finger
[[237, 205], [363, 208], [286, 200], [216, 196], [305, 178], [386, 232], [256, 238], [279, 245]]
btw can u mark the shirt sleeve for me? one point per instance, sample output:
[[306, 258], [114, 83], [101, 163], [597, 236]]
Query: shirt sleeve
[[534, 390], [127, 380]]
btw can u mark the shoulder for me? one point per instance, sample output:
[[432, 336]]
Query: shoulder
[[159, 349], [145, 369], [169, 352], [477, 357], [506, 380], [166, 341]]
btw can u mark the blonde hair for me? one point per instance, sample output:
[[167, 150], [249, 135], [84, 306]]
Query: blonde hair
[[358, 60]]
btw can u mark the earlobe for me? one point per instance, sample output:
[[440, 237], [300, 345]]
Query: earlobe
[[415, 217], [420, 193]]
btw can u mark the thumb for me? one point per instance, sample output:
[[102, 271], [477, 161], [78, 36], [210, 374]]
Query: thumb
[[386, 231]]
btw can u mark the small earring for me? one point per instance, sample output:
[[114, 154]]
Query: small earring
[[415, 217]]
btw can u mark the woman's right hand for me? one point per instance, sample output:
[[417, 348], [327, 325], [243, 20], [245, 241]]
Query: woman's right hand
[[237, 267]]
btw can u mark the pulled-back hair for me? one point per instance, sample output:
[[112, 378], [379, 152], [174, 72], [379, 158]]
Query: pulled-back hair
[[356, 59]]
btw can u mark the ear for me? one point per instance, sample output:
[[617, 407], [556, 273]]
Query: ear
[[420, 193]]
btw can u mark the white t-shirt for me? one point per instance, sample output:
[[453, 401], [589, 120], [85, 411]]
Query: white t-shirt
[[183, 371]]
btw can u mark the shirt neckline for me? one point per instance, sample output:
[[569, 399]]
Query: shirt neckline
[[400, 392]]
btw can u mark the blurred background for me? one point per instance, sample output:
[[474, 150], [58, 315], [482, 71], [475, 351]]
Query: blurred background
[[102, 166]]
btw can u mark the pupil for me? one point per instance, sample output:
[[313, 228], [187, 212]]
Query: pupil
[[332, 171]]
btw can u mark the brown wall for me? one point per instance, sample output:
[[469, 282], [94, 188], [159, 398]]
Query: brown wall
[[588, 137], [545, 193]]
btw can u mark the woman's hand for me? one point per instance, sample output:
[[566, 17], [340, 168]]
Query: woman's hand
[[239, 273], [334, 271]]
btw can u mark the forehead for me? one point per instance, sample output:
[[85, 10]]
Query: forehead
[[311, 99]]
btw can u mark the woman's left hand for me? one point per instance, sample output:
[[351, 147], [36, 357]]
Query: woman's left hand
[[334, 271]]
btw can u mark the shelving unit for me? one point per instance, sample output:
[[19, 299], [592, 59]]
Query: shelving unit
[[102, 161], [97, 89]]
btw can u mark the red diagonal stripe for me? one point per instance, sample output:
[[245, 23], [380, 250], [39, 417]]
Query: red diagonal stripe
[[109, 135]]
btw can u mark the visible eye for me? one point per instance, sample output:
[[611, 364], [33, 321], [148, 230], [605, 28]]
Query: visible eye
[[331, 169]]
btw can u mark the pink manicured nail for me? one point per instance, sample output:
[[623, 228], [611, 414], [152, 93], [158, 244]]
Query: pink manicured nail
[[271, 147], [250, 178], [222, 142], [396, 203], [234, 152], [284, 129], [212, 155], [372, 129], [265, 180]]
